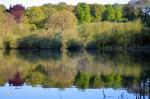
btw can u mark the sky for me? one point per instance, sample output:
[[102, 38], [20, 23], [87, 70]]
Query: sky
[[28, 3]]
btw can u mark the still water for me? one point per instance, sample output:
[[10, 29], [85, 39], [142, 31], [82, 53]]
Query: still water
[[48, 74]]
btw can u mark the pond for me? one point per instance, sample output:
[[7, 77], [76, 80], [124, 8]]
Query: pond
[[46, 74]]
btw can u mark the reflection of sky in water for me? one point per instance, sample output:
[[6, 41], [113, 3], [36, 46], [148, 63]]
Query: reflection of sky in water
[[26, 92]]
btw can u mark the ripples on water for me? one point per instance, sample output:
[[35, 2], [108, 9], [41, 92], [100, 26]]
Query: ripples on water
[[77, 75]]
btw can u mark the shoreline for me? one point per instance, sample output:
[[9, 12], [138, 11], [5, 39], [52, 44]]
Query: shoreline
[[147, 48]]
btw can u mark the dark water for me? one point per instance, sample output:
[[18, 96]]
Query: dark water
[[48, 74]]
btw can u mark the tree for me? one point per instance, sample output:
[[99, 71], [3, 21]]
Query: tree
[[60, 6], [17, 11], [140, 3], [143, 2], [83, 13], [97, 12], [118, 12], [130, 12], [36, 16], [110, 13], [64, 6], [61, 20], [48, 10]]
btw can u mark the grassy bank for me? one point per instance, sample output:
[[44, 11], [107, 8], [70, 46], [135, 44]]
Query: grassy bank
[[113, 35], [90, 35], [97, 35]]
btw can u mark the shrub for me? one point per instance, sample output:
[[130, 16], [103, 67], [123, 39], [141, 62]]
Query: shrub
[[6, 45], [74, 45], [37, 42]]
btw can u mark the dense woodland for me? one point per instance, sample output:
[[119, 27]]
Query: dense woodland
[[55, 26]]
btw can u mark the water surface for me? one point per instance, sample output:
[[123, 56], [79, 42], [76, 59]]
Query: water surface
[[45, 74]]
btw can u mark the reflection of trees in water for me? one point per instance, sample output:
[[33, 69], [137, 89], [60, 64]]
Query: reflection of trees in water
[[16, 80], [60, 76], [100, 62], [86, 80], [57, 76], [2, 81], [141, 90], [36, 55], [83, 69], [132, 84]]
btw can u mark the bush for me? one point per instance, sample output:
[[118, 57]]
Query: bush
[[91, 45], [37, 42], [6, 45], [74, 45]]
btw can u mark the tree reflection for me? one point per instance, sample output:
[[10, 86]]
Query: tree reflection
[[36, 55], [81, 69], [82, 80], [16, 80], [36, 76]]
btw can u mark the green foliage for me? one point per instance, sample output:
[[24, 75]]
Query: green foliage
[[85, 80], [96, 69], [104, 34], [113, 13], [102, 40], [48, 10], [109, 78], [118, 13], [36, 78], [38, 26], [60, 6], [83, 13], [82, 80], [37, 42], [64, 6], [60, 21], [40, 68], [110, 13], [36, 16], [97, 11], [114, 80], [95, 80]]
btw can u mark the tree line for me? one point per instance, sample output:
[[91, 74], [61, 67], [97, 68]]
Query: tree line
[[84, 12], [57, 22]]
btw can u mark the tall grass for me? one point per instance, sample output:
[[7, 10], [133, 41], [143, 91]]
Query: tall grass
[[90, 29], [96, 35]]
